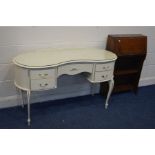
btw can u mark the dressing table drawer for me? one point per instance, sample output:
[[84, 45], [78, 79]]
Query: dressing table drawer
[[105, 66], [42, 74], [72, 69], [103, 76], [43, 84]]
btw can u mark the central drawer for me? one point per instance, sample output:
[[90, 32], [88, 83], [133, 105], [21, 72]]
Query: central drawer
[[72, 69]]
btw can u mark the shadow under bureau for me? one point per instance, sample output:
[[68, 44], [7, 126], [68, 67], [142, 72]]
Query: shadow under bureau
[[39, 70]]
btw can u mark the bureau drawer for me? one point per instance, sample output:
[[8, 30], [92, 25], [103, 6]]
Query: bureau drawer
[[42, 74], [105, 66], [103, 76], [43, 84], [72, 69]]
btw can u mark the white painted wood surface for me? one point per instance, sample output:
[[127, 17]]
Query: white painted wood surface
[[74, 61], [44, 58], [42, 72], [16, 40]]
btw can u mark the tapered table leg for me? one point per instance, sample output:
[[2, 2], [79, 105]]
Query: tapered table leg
[[111, 85]]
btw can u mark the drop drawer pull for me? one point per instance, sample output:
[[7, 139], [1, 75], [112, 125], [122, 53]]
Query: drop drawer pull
[[46, 84], [43, 75], [104, 76], [107, 67]]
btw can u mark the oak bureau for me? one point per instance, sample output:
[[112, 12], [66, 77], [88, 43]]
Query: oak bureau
[[39, 70]]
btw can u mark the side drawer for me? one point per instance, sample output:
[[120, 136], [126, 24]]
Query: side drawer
[[42, 73], [72, 69], [43, 84], [105, 66], [103, 76]]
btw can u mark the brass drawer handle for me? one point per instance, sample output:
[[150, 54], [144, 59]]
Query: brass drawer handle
[[41, 85], [73, 69], [43, 75], [104, 76], [107, 67]]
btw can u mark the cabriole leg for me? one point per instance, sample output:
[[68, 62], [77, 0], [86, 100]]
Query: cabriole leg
[[28, 107], [111, 85], [20, 94], [92, 89], [22, 97]]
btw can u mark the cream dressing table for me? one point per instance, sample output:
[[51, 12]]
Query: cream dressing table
[[39, 70]]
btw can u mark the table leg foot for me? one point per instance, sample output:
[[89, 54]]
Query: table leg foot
[[106, 106], [29, 122]]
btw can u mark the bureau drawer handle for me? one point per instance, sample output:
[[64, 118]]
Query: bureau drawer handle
[[73, 69], [107, 67], [104, 76], [43, 75], [46, 84]]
